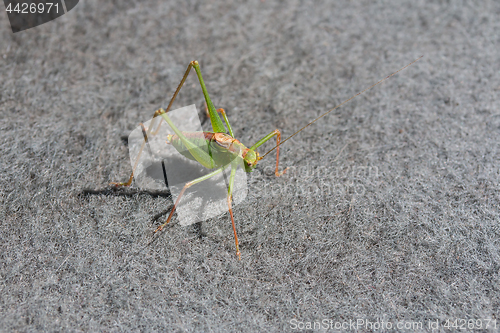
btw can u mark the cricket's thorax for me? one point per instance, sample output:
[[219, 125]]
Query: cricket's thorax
[[228, 142], [221, 147]]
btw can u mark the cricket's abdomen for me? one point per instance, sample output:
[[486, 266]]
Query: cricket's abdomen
[[221, 147]]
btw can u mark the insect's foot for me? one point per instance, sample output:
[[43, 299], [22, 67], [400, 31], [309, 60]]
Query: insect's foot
[[118, 184], [160, 228], [239, 255], [279, 174]]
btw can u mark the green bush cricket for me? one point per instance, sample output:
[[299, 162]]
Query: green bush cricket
[[219, 149]]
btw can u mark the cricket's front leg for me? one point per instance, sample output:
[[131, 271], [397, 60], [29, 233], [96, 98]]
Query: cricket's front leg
[[188, 185], [278, 140], [229, 128], [234, 166], [224, 115]]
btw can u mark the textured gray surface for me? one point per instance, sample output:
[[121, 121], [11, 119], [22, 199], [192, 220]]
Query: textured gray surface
[[408, 230]]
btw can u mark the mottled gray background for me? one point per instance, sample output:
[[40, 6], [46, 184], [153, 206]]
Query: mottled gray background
[[391, 212]]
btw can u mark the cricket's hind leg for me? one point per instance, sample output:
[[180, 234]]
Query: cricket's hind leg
[[214, 118], [145, 133]]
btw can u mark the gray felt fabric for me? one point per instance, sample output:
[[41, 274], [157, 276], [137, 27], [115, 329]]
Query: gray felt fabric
[[390, 214]]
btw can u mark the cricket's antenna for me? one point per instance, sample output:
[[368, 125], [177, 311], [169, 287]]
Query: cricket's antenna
[[348, 100]]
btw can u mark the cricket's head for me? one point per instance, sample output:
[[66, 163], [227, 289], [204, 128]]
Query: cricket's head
[[251, 157]]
